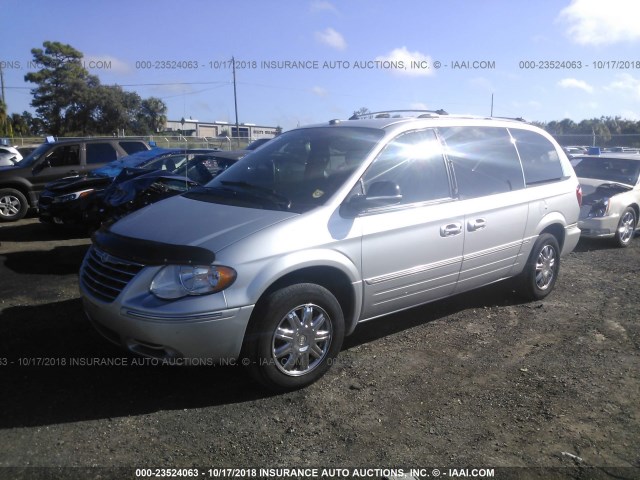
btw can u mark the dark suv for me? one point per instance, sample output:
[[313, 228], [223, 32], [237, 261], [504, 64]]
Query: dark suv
[[20, 185]]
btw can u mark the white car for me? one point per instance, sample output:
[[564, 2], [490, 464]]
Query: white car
[[9, 156], [611, 196]]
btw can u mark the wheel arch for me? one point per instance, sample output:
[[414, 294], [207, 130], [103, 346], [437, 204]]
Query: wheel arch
[[557, 230], [636, 208], [21, 187], [330, 277]]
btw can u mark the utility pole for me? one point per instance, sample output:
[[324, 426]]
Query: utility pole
[[235, 101], [2, 83], [492, 104]]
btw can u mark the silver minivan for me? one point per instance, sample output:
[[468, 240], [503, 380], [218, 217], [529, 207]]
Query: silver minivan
[[278, 258]]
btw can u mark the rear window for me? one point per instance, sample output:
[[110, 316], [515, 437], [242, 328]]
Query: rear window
[[100, 153], [618, 170], [484, 160], [539, 157], [133, 147]]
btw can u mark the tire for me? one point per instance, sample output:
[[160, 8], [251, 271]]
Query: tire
[[13, 205], [294, 337], [541, 271], [626, 228]]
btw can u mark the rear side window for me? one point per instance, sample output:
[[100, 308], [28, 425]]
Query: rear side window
[[132, 147], [414, 162], [484, 159], [100, 153], [539, 157]]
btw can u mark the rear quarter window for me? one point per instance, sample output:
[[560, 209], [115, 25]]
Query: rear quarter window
[[133, 147], [539, 157]]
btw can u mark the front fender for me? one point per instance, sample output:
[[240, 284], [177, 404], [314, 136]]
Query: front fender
[[307, 260]]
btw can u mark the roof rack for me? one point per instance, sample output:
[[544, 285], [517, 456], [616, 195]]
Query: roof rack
[[517, 119], [426, 114], [397, 114]]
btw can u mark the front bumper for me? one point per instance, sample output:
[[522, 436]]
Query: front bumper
[[196, 339], [599, 227], [67, 213]]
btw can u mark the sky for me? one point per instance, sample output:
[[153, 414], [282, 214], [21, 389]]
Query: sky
[[308, 61]]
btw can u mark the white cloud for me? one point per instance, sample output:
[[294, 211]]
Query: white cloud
[[575, 83], [597, 22], [106, 63], [419, 106], [406, 57], [319, 91], [332, 38], [627, 84]]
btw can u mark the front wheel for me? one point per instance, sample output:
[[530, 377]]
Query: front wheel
[[541, 271], [13, 205], [295, 336], [626, 228]]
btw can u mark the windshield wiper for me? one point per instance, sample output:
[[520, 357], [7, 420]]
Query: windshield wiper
[[275, 197]]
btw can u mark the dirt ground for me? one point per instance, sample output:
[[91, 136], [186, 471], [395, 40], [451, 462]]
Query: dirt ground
[[547, 389]]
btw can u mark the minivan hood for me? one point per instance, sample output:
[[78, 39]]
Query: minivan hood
[[183, 221]]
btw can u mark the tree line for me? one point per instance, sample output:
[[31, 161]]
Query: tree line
[[69, 101], [603, 131]]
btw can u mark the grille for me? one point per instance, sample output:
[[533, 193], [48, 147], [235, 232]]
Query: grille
[[105, 275]]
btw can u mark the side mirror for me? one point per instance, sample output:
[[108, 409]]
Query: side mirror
[[380, 194]]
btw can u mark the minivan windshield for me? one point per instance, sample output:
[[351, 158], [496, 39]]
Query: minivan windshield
[[297, 171]]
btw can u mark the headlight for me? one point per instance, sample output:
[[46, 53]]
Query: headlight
[[72, 196], [599, 209], [177, 281]]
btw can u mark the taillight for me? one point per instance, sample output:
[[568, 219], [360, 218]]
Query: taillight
[[579, 195]]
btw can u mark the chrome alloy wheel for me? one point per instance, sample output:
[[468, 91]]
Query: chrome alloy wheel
[[9, 205], [301, 340], [545, 267], [626, 227]]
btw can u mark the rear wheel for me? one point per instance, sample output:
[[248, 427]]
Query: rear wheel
[[296, 334], [541, 271], [13, 205], [626, 228]]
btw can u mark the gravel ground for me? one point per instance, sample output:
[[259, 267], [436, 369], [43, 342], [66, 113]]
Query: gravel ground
[[481, 380]]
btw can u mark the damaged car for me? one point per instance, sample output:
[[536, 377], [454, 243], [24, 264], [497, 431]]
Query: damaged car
[[135, 188], [73, 200], [611, 196]]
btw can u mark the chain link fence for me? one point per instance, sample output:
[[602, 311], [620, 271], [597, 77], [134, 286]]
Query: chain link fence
[[178, 141], [630, 140]]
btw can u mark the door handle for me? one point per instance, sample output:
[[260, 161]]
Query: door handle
[[477, 224], [72, 172], [451, 229]]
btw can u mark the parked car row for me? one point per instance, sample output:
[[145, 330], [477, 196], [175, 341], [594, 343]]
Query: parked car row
[[21, 184], [275, 255], [109, 192], [62, 177]]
